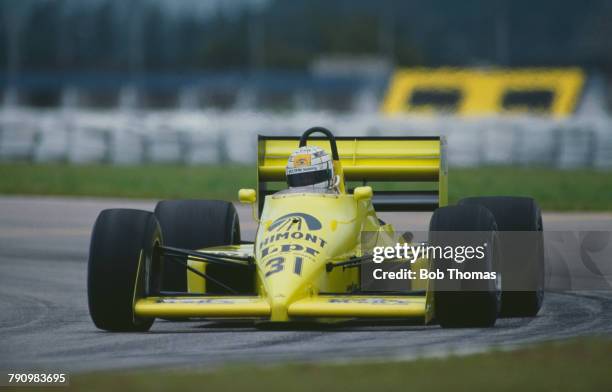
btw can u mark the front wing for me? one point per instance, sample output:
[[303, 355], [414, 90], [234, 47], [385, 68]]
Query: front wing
[[341, 306]]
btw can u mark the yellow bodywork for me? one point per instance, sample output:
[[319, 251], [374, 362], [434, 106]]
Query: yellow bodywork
[[291, 256], [195, 306], [375, 160], [359, 306], [299, 234]]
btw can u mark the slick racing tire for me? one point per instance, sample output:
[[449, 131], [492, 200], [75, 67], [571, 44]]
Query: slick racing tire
[[124, 265], [196, 224], [462, 303], [522, 266]]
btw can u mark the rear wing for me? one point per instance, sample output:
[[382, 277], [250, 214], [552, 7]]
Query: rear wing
[[416, 163]]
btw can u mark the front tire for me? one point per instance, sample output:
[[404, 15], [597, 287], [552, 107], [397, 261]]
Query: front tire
[[465, 303], [123, 266]]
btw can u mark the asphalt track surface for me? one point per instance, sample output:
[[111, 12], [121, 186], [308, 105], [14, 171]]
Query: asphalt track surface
[[45, 324]]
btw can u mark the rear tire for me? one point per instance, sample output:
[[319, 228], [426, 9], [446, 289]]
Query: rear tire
[[462, 303], [523, 273], [196, 224], [122, 254]]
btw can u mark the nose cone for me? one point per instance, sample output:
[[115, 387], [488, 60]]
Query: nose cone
[[297, 236], [289, 262], [279, 306]]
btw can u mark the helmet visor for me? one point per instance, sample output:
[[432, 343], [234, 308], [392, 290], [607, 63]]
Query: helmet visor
[[308, 178]]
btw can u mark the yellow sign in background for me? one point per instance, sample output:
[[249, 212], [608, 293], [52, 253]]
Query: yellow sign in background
[[484, 92]]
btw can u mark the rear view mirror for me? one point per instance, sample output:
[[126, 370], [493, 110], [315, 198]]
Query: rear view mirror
[[362, 193], [247, 196]]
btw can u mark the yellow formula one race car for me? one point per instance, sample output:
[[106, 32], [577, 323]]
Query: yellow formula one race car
[[186, 259]]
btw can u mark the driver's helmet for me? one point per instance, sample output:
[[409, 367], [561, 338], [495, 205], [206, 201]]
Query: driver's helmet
[[310, 166]]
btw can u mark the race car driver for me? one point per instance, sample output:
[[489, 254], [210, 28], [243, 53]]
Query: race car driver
[[310, 169]]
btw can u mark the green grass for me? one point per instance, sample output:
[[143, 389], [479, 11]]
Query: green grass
[[581, 365], [151, 181], [554, 189]]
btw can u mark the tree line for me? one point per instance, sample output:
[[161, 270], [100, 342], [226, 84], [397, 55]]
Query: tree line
[[141, 35]]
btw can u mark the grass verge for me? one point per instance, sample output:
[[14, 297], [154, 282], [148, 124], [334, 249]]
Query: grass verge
[[579, 190], [580, 365]]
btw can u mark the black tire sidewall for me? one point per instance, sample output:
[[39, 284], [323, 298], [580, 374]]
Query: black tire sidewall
[[458, 303], [114, 281]]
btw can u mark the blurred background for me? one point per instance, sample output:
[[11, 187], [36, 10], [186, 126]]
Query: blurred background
[[508, 82]]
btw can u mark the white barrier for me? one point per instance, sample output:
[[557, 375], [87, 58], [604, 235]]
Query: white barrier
[[197, 137]]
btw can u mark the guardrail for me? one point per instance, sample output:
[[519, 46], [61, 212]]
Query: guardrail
[[199, 137]]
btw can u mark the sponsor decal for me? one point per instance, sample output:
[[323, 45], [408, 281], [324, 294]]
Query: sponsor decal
[[306, 169], [210, 301], [291, 228], [295, 221], [288, 248], [369, 301], [296, 235], [302, 160]]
